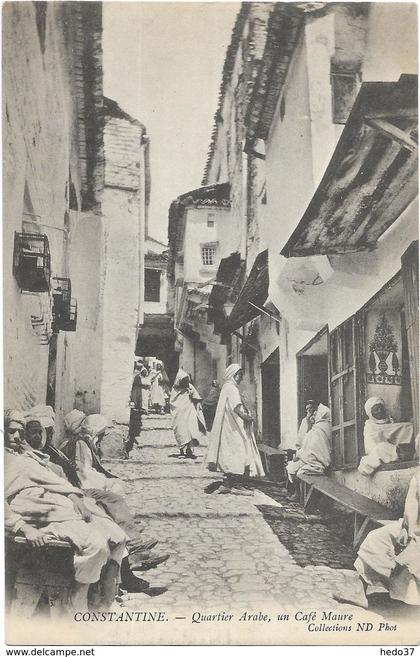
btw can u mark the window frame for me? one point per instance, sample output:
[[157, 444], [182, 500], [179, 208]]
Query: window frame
[[340, 376], [209, 245], [339, 72]]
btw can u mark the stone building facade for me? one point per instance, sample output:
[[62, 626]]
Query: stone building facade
[[314, 135], [336, 269], [52, 183], [339, 225], [124, 210], [239, 242], [201, 234], [64, 201]]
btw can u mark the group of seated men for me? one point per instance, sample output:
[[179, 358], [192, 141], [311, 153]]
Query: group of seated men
[[385, 441], [66, 493], [388, 560]]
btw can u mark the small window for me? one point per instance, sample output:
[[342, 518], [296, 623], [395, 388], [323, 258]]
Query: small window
[[211, 221], [345, 84], [208, 254], [152, 285]]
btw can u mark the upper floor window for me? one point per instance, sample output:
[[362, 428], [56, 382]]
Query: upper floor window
[[211, 220], [345, 83], [152, 285], [208, 254]]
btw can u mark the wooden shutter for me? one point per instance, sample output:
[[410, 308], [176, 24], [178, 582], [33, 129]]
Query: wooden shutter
[[344, 394], [410, 274]]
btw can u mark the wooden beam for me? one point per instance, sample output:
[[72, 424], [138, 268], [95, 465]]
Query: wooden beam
[[393, 114], [393, 132], [266, 312], [360, 529]]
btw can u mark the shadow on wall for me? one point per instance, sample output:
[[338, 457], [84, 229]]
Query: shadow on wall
[[86, 401]]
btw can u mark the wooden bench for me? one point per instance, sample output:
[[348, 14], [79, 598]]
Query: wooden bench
[[274, 461], [366, 511], [33, 574]]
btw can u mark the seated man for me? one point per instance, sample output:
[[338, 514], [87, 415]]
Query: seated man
[[388, 560], [307, 422], [314, 456], [139, 557], [385, 441], [39, 433], [41, 505]]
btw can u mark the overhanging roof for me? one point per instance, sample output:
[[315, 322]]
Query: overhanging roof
[[372, 175], [255, 291], [227, 283]]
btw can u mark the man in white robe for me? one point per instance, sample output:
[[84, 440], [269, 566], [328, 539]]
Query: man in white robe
[[314, 456], [41, 505], [385, 441], [232, 446], [388, 560]]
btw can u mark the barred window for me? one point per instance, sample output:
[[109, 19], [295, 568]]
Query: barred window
[[208, 254]]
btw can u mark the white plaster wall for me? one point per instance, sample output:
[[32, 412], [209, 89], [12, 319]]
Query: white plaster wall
[[86, 272], [298, 150], [122, 232], [391, 41], [289, 157], [320, 47], [197, 233], [388, 487], [38, 129]]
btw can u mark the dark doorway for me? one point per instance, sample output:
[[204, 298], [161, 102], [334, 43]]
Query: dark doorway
[[312, 363], [157, 338], [270, 382]]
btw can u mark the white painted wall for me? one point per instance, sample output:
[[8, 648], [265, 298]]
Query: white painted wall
[[197, 233], [123, 263], [39, 131], [298, 150]]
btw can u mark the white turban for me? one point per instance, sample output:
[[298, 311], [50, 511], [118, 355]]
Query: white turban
[[93, 425], [43, 414], [231, 371], [73, 420], [370, 403], [12, 415]]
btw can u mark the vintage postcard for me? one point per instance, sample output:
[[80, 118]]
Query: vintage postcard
[[211, 332]]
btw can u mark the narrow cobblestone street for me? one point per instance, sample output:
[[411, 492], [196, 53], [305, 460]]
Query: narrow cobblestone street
[[224, 555]]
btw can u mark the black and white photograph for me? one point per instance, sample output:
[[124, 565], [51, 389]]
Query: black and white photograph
[[210, 323]]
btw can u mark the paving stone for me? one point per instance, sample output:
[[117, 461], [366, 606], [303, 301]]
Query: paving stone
[[225, 550]]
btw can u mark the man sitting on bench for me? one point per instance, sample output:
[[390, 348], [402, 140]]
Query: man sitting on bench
[[388, 560], [314, 456], [41, 505], [139, 556]]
